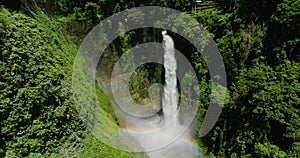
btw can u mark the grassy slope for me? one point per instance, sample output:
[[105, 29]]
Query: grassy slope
[[44, 33]]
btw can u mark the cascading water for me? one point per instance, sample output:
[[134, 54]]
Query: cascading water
[[170, 98], [162, 136], [178, 148]]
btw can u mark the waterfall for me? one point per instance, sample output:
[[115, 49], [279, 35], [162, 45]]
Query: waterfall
[[162, 136], [170, 96]]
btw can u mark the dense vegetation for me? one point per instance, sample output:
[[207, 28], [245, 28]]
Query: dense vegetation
[[259, 42]]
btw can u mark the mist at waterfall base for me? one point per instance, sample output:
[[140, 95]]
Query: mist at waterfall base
[[162, 136]]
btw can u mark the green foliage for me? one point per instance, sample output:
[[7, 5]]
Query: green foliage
[[139, 85], [259, 42], [37, 110], [85, 146], [283, 36], [92, 147], [267, 100], [268, 150], [260, 54]]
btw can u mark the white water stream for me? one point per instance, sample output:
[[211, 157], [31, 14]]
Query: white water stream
[[170, 97], [162, 136]]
